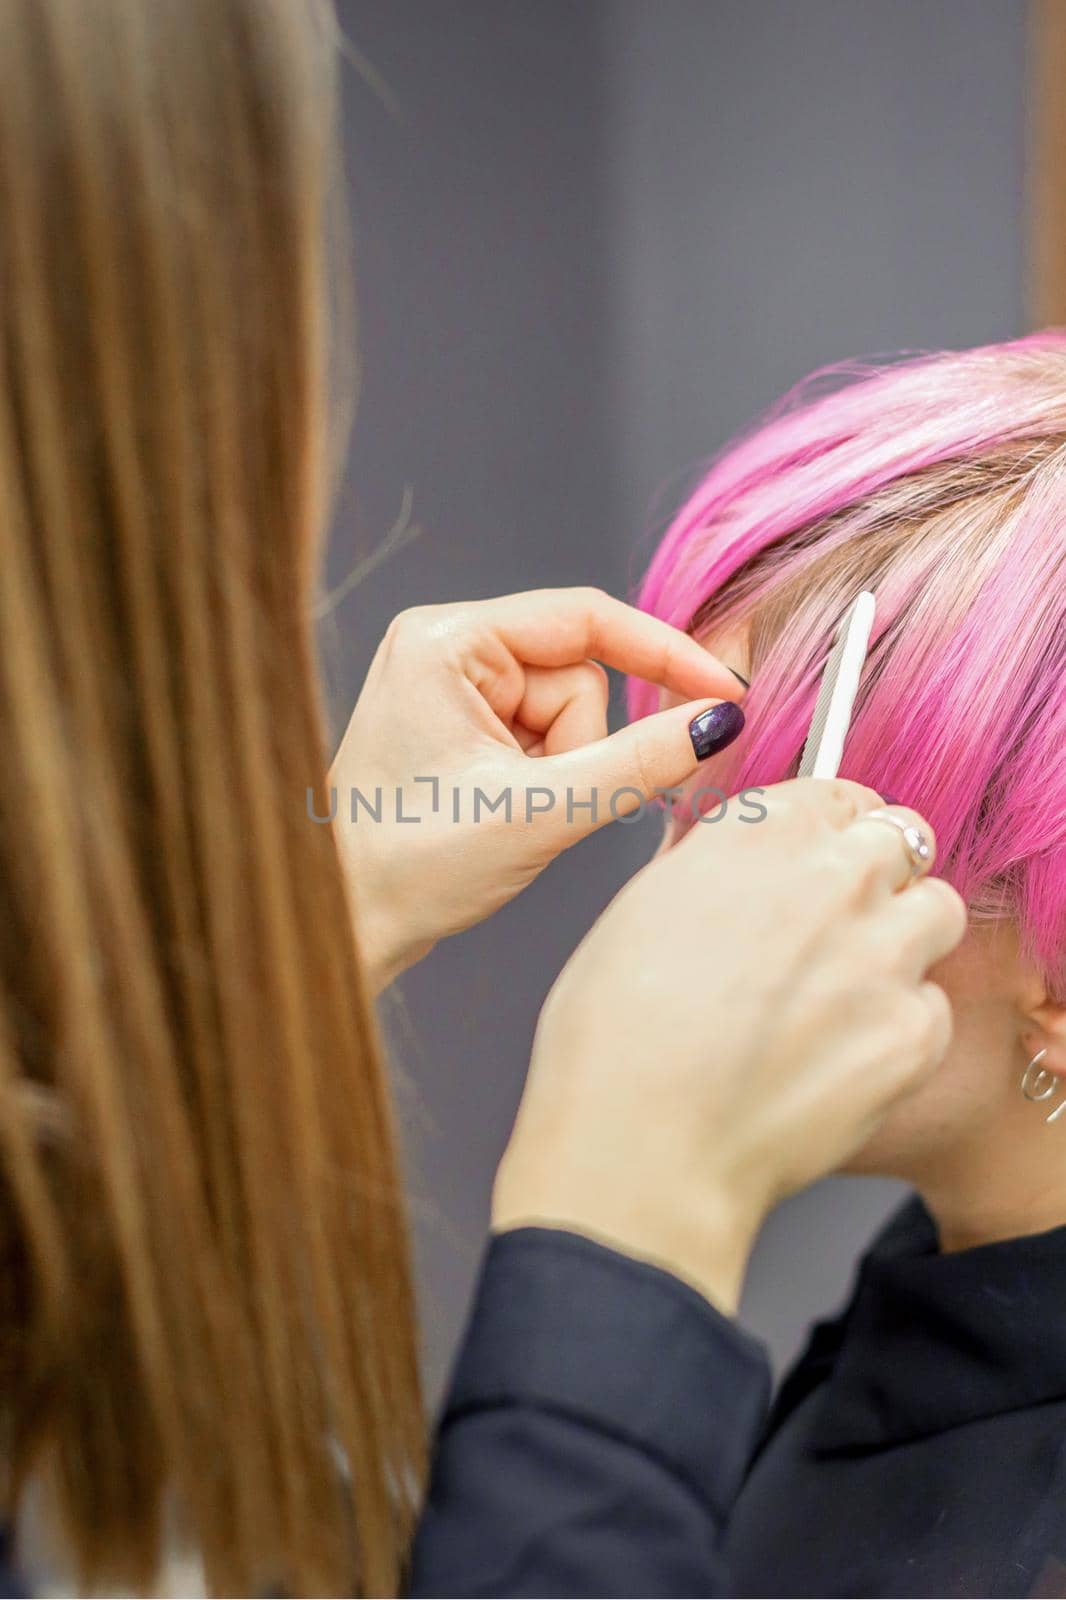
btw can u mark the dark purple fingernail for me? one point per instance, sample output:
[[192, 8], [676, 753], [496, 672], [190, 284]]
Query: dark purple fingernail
[[712, 730]]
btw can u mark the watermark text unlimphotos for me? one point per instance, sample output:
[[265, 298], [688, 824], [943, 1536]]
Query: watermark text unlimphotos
[[582, 808]]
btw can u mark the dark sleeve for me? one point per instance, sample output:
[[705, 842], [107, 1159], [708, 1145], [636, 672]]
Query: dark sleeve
[[598, 1425]]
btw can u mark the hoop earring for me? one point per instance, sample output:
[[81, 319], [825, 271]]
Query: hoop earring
[[1041, 1084]]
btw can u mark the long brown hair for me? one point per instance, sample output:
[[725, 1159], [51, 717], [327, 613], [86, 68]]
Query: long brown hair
[[205, 1316]]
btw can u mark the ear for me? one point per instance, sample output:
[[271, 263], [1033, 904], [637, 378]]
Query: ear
[[1045, 1029]]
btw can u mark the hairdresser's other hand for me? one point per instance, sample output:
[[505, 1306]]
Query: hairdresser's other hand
[[466, 703], [734, 1026]]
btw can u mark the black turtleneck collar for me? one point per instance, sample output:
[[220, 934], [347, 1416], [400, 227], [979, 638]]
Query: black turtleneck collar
[[930, 1341]]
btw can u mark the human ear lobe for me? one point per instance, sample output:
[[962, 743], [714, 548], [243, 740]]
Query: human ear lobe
[[1046, 1031]]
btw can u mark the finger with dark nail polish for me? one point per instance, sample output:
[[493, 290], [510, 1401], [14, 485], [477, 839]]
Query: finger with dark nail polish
[[712, 730]]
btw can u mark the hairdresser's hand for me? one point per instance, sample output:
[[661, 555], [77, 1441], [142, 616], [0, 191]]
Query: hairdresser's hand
[[465, 704], [734, 1026]]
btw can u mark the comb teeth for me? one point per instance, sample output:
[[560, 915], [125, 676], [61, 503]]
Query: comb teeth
[[821, 707], [836, 695]]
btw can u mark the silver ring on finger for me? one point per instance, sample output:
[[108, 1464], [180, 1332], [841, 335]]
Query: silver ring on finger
[[919, 850]]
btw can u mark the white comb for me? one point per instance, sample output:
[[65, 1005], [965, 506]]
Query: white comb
[[836, 697]]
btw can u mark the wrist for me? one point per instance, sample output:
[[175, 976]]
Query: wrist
[[704, 1241], [385, 949], [383, 969], [384, 952]]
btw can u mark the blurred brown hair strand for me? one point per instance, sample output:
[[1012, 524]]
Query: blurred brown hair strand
[[205, 1317]]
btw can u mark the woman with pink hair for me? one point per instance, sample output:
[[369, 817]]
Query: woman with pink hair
[[919, 1446]]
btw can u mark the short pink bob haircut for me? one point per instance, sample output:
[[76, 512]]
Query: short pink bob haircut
[[940, 483]]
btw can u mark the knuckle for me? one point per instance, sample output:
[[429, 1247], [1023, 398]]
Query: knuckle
[[832, 800], [414, 617], [845, 877], [425, 630], [594, 676], [407, 623], [787, 805], [844, 795], [939, 1007], [908, 946], [925, 1024], [951, 908], [870, 1005], [864, 796], [860, 875]]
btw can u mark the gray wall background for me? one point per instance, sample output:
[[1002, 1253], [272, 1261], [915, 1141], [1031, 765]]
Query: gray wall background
[[594, 238]]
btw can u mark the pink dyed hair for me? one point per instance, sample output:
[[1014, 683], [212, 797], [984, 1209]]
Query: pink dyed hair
[[940, 483]]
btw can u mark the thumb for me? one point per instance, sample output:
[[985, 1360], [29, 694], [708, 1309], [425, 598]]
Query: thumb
[[609, 779]]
